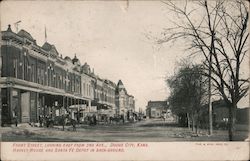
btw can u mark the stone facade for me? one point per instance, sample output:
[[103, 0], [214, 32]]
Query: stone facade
[[125, 103]]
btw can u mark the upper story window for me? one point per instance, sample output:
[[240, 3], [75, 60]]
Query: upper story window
[[32, 73], [15, 67], [89, 89]]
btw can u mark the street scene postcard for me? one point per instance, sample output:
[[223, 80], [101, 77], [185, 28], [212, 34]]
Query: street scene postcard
[[124, 80]]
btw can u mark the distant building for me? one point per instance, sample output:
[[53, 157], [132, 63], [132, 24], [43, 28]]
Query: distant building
[[131, 103], [125, 103], [105, 98], [160, 109], [87, 92], [155, 109], [110, 95], [221, 113]]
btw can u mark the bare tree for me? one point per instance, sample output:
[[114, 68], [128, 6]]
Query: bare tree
[[219, 33]]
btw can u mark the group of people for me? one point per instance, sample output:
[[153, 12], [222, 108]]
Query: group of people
[[106, 119], [93, 119], [48, 121], [90, 120]]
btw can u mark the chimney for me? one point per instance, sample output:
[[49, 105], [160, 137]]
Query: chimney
[[9, 28]]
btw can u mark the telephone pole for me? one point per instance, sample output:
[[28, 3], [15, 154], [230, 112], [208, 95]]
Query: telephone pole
[[45, 34], [210, 106]]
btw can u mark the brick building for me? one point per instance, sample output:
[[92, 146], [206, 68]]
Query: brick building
[[36, 81], [157, 109], [221, 114]]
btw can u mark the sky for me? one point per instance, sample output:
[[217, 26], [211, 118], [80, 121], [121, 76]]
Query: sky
[[108, 35]]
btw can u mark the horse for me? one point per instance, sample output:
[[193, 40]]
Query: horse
[[114, 119], [73, 122], [48, 122]]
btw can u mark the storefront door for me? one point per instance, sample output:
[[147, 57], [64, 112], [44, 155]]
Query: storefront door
[[25, 107]]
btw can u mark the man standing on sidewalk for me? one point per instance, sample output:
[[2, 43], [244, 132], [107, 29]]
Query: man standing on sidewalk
[[14, 112]]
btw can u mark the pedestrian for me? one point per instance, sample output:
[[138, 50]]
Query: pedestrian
[[165, 117], [106, 119], [88, 120], [78, 117], [73, 123], [63, 121], [40, 120], [123, 119], [14, 113], [15, 119], [49, 121], [110, 119], [94, 119]]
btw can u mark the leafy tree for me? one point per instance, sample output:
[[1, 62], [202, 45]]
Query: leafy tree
[[187, 92]]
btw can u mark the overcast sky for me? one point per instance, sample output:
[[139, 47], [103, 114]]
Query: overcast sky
[[109, 36]]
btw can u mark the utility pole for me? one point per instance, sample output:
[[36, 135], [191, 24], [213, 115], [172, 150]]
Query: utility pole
[[45, 34], [0, 91], [210, 108], [211, 52]]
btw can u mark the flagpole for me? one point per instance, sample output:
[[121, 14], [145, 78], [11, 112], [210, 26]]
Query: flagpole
[[45, 34]]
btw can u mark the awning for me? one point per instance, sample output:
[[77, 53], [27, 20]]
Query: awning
[[6, 82]]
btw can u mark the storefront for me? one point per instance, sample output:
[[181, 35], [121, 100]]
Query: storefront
[[30, 103], [18, 104]]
